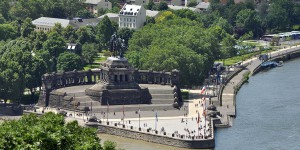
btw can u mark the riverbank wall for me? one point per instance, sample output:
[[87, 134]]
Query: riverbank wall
[[156, 136], [285, 56]]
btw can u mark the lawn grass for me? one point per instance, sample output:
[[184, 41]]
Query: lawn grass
[[91, 66], [296, 27], [96, 62], [236, 59]]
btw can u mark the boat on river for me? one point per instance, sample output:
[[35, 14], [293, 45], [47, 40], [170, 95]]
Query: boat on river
[[271, 64]]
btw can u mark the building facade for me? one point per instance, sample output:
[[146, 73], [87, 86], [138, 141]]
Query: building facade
[[94, 5], [132, 16], [46, 23]]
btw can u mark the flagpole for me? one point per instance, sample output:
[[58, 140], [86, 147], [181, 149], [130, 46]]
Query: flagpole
[[155, 120], [123, 113], [204, 109], [74, 105], [139, 116], [107, 110]]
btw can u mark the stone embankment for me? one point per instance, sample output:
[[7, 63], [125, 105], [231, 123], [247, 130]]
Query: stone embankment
[[226, 101], [155, 136]]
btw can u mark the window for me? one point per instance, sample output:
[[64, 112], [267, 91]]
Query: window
[[133, 20], [121, 78], [116, 78], [130, 20]]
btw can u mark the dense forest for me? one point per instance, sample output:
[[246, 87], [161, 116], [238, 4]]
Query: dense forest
[[181, 39]]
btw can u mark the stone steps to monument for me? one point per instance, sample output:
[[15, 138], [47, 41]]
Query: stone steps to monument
[[119, 108], [89, 103], [78, 94], [161, 91], [162, 101], [162, 96]]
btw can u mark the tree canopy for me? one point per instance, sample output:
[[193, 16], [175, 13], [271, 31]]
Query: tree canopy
[[175, 43], [49, 131]]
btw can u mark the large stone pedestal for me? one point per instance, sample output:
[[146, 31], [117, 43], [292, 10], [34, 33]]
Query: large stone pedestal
[[117, 86]]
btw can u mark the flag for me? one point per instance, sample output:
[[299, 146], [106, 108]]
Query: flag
[[139, 113], [198, 119], [203, 90], [156, 117], [107, 106], [123, 111]]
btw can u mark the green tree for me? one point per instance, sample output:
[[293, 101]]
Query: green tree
[[19, 68], [72, 7], [2, 19], [49, 131], [227, 48], [5, 6], [7, 31], [85, 14], [162, 6], [247, 20], [187, 13], [38, 38], [58, 29], [151, 5], [85, 34], [69, 34], [68, 62], [192, 3], [55, 45], [277, 18], [27, 27], [149, 20], [176, 43], [109, 145], [89, 52], [126, 34], [105, 29]]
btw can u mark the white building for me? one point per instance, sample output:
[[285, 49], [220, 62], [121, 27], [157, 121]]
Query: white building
[[46, 23], [132, 16], [94, 5]]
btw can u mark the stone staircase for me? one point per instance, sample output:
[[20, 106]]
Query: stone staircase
[[162, 99]]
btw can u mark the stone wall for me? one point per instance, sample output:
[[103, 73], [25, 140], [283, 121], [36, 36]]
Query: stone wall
[[72, 78], [282, 57], [157, 138]]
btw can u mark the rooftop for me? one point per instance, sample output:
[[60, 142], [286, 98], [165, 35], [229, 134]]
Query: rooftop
[[131, 10], [181, 7], [51, 21], [109, 15], [151, 13], [94, 2]]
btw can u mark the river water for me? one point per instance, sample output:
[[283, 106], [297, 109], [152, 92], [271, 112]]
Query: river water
[[268, 109]]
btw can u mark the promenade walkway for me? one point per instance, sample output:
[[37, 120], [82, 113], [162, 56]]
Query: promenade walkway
[[228, 108]]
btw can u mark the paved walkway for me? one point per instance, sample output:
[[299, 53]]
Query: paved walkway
[[185, 125], [228, 108]]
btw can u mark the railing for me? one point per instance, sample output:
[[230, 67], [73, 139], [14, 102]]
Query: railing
[[151, 131], [230, 76], [73, 78]]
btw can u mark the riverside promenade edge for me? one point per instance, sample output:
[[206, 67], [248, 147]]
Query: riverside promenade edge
[[226, 100]]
